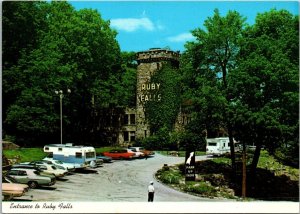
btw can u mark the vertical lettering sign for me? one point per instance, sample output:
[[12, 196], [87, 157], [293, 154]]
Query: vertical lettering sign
[[190, 165]]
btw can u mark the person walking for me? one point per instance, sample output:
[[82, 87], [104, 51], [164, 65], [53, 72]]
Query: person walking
[[151, 192]]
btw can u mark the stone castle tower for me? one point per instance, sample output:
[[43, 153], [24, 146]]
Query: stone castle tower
[[150, 62]]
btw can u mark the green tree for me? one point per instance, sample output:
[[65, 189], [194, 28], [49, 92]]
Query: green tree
[[21, 26], [265, 86], [211, 58], [76, 50]]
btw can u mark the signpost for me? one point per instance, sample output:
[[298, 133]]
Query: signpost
[[190, 165]]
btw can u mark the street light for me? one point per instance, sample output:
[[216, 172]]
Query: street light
[[61, 96]]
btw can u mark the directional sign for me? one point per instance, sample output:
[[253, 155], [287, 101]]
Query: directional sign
[[190, 165]]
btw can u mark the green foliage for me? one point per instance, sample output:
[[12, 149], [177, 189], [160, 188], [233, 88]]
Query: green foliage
[[25, 154], [200, 188], [189, 140], [162, 114], [65, 49], [162, 140], [206, 64], [170, 176], [264, 87]]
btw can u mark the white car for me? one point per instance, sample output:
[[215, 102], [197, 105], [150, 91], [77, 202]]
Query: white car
[[68, 166], [49, 168], [137, 154]]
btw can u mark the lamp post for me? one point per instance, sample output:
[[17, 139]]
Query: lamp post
[[61, 96]]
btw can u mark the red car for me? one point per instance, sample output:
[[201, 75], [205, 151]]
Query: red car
[[119, 154]]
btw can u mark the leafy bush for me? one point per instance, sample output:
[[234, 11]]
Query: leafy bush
[[199, 188], [160, 141], [170, 176]]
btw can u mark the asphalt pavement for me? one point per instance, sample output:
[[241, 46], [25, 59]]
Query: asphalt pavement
[[120, 181]]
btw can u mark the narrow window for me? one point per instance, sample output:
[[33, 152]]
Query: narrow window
[[132, 136], [126, 136], [126, 119], [132, 119]]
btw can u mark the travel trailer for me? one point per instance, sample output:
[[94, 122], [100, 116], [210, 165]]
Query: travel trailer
[[219, 146], [80, 156]]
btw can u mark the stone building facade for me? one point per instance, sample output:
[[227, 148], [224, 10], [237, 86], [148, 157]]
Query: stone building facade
[[134, 123]]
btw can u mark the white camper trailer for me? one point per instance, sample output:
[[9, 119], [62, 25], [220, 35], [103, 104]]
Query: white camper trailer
[[218, 146], [80, 156]]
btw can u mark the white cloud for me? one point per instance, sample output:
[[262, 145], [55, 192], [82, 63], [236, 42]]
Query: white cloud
[[131, 24], [181, 37]]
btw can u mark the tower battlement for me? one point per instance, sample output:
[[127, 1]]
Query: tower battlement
[[157, 55]]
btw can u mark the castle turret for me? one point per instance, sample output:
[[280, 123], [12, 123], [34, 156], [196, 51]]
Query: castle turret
[[149, 62]]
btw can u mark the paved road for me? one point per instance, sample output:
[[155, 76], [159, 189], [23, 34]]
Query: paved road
[[120, 181]]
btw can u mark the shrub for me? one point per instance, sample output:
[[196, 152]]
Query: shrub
[[170, 176], [199, 188]]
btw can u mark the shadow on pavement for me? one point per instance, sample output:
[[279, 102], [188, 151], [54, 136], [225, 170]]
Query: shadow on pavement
[[86, 171]]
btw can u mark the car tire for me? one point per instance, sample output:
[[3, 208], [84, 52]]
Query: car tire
[[32, 184]]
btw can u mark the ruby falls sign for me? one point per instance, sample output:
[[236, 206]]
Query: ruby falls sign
[[149, 92]]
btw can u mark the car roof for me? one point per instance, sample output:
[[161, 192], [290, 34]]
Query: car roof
[[24, 169]]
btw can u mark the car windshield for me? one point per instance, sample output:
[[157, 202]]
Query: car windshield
[[59, 162], [59, 167], [6, 179], [53, 167]]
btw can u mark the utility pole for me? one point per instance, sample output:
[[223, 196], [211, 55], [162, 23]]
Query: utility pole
[[61, 96], [244, 172]]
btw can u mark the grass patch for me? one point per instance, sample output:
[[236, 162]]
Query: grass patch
[[105, 149], [25, 154], [266, 162], [201, 188]]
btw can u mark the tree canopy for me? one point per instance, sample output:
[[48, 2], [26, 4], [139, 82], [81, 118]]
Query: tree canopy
[[241, 78], [74, 50]]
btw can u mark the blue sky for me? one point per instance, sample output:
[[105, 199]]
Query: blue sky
[[147, 24]]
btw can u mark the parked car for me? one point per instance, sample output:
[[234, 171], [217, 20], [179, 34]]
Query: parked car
[[37, 168], [137, 154], [43, 162], [69, 166], [104, 158], [48, 167], [31, 177], [142, 149], [96, 163], [119, 154], [11, 189]]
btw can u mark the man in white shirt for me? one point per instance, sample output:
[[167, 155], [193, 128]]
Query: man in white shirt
[[150, 192]]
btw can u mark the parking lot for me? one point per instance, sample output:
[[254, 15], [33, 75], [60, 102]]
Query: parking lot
[[119, 181]]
